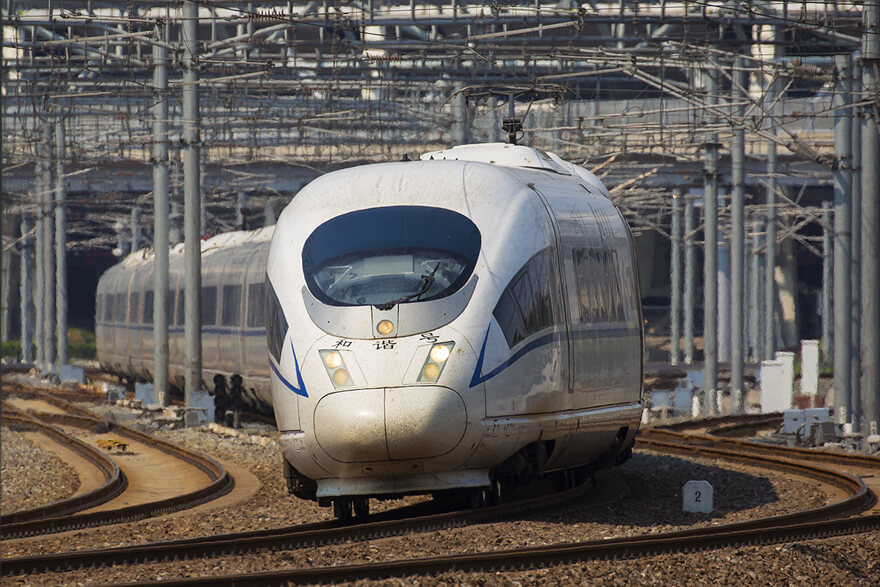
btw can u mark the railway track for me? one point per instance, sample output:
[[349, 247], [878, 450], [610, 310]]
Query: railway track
[[62, 516], [837, 518]]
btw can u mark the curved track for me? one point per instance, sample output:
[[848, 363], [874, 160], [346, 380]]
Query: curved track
[[832, 519], [62, 515], [114, 480]]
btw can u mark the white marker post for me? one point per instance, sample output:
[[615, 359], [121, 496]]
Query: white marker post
[[697, 497]]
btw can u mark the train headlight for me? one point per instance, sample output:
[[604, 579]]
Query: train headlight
[[340, 378], [436, 360], [385, 327], [332, 359], [336, 368]]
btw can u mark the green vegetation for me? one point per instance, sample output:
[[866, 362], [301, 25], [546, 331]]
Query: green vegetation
[[81, 345]]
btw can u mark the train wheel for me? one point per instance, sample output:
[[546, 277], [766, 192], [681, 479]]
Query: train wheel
[[342, 509], [361, 507]]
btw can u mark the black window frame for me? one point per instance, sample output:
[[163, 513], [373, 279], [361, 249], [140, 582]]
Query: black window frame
[[256, 304], [276, 322], [147, 311], [209, 305], [532, 300], [230, 312], [388, 230], [598, 282]]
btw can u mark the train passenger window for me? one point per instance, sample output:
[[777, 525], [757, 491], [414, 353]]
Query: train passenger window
[[390, 255], [276, 323], [598, 285], [256, 301], [530, 302], [209, 305], [148, 307], [101, 308], [119, 307], [134, 304], [230, 312]]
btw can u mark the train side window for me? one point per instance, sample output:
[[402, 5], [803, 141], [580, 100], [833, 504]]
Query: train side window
[[598, 284], [530, 302], [134, 304], [169, 306], [256, 301], [209, 305], [148, 307], [119, 307], [276, 323], [230, 312]]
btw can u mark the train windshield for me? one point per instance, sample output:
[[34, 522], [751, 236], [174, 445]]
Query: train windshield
[[386, 256]]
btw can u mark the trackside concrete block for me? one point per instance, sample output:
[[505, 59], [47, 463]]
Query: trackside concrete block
[[697, 497], [774, 396], [200, 410], [144, 392], [67, 373], [809, 367]]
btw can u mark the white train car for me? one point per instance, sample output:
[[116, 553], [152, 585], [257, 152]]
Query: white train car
[[457, 323], [232, 303], [454, 322]]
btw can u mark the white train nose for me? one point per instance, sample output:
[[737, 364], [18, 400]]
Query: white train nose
[[391, 423]]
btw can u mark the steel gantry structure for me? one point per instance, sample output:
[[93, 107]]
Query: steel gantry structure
[[746, 101]]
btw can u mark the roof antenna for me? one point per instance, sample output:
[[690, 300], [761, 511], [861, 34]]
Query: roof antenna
[[511, 125]]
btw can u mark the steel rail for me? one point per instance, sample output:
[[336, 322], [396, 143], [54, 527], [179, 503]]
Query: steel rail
[[787, 527], [221, 483], [392, 523], [114, 480], [541, 557], [834, 458]]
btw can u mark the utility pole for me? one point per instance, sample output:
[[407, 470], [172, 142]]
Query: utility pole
[[48, 255], [710, 251], [135, 228], [770, 233], [871, 217], [161, 228], [856, 270], [737, 237], [690, 271], [754, 289], [26, 288], [675, 294], [60, 245], [40, 188], [842, 240], [192, 230], [827, 280]]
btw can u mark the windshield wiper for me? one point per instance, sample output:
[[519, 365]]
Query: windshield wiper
[[427, 282]]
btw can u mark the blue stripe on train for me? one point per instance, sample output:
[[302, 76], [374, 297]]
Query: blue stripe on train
[[582, 334]]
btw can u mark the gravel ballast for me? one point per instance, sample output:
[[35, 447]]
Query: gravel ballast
[[653, 505], [31, 476]]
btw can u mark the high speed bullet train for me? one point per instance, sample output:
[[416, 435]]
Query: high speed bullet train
[[455, 324]]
